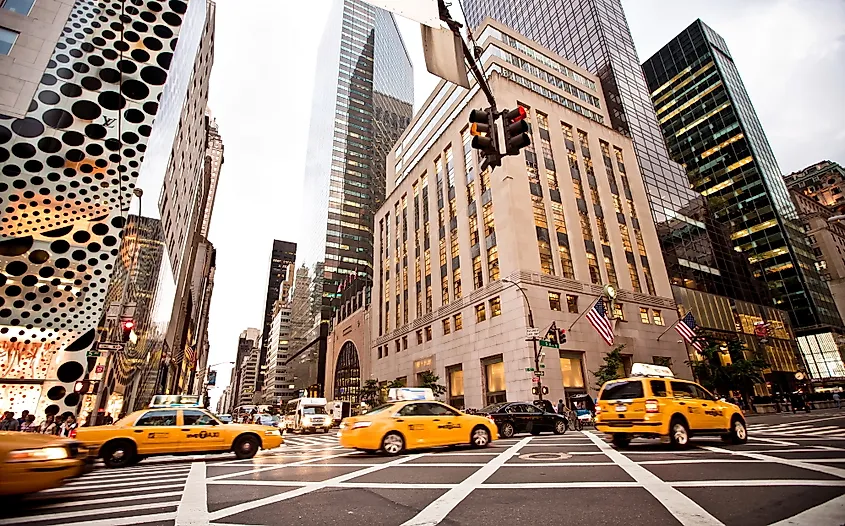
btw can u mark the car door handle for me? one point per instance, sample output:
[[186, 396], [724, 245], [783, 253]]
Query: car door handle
[[139, 430], [436, 420], [400, 420], [186, 430], [682, 403], [703, 405]]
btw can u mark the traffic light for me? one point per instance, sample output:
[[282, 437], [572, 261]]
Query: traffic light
[[82, 386], [536, 390], [516, 130], [485, 138], [561, 336], [126, 327]]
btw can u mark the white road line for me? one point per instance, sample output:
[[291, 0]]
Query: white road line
[[122, 498], [683, 508], [829, 513], [812, 430], [112, 477], [121, 521], [71, 493], [246, 506], [543, 464], [101, 475], [286, 483], [560, 485], [828, 431], [88, 513], [440, 508], [754, 482], [112, 484], [771, 441], [837, 472], [277, 466], [193, 508]]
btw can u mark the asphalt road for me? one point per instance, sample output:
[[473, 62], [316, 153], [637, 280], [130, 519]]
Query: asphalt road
[[791, 472]]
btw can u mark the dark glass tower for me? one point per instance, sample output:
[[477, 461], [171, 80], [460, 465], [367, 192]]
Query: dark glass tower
[[710, 126], [363, 101], [595, 35], [282, 260]]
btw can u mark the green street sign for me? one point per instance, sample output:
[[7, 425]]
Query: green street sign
[[93, 354], [553, 345], [529, 369], [542, 366]]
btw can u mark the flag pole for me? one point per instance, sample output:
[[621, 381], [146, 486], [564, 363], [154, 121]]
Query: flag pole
[[585, 312], [668, 328]]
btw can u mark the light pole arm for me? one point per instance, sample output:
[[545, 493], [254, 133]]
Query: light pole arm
[[528, 303]]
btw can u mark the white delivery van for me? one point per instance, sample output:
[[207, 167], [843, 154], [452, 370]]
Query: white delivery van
[[303, 415]]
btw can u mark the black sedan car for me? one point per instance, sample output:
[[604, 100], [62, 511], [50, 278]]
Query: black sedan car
[[524, 417]]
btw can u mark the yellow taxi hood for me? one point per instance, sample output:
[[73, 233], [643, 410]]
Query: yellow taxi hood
[[11, 440]]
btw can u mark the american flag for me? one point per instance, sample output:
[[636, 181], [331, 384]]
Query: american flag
[[597, 317], [191, 353], [686, 328]]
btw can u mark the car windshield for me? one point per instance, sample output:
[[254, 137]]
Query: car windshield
[[313, 410], [492, 408], [622, 390], [379, 409]]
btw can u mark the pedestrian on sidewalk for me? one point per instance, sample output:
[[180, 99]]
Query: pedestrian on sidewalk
[[560, 406], [29, 424], [9, 422], [48, 427], [838, 400]]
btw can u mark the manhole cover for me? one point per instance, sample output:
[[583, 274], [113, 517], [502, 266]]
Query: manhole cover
[[545, 456]]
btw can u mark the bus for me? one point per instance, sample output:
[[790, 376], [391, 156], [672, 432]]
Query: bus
[[307, 414]]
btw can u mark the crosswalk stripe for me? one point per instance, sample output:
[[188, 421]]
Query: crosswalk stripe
[[120, 498], [86, 484], [811, 431], [88, 513], [68, 492]]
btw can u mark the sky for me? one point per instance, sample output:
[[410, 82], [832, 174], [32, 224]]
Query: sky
[[790, 53]]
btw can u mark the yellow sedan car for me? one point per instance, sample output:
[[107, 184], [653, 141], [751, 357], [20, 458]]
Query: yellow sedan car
[[31, 462], [412, 424], [174, 431]]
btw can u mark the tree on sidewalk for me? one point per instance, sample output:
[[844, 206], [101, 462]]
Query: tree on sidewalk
[[727, 365], [370, 392], [612, 368], [429, 379]]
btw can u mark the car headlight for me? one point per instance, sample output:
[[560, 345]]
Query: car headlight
[[37, 455], [356, 425]]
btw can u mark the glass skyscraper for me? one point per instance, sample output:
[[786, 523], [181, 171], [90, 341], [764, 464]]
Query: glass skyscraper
[[710, 126], [595, 35], [363, 101]]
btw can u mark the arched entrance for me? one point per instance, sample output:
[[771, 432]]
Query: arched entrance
[[347, 374]]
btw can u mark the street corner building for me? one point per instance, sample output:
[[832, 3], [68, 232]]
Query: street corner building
[[561, 220], [81, 87]]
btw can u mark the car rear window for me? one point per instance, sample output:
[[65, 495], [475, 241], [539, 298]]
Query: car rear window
[[622, 390]]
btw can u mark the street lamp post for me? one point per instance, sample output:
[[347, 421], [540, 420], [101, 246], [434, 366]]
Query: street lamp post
[[533, 338]]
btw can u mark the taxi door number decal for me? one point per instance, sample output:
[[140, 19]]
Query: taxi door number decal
[[157, 435], [416, 427], [204, 434], [449, 426]]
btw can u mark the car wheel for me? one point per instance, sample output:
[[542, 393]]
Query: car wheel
[[245, 447], [560, 427], [118, 454], [393, 443], [621, 440], [678, 433], [738, 434], [480, 437], [507, 430]]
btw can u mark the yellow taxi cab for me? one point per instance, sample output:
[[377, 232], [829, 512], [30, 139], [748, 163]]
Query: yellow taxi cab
[[174, 425], [31, 462], [413, 419], [652, 403]]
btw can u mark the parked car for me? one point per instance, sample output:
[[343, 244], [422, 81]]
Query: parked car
[[524, 417]]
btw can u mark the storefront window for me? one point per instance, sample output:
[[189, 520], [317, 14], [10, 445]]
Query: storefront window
[[572, 371], [495, 381]]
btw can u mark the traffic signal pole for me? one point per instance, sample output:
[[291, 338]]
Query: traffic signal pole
[[533, 338]]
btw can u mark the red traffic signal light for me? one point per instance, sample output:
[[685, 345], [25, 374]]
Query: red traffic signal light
[[128, 325], [516, 130], [561, 336]]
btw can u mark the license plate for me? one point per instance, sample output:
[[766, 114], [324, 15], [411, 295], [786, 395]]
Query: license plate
[[620, 408]]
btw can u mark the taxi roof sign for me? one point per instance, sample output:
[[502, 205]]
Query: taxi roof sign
[[175, 401], [398, 394], [649, 369]]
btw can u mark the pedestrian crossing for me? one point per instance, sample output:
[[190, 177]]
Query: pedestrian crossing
[[797, 430], [311, 441], [131, 495]]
